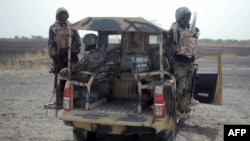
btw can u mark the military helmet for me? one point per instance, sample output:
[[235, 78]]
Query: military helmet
[[181, 12], [90, 39], [62, 14]]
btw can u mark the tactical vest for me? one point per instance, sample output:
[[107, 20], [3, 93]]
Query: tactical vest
[[62, 34], [187, 44]]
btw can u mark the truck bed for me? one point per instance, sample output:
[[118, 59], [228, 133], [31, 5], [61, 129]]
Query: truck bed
[[122, 107]]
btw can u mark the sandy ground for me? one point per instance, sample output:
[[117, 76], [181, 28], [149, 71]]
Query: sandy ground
[[24, 92]]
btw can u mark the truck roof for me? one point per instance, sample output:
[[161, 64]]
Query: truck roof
[[120, 24]]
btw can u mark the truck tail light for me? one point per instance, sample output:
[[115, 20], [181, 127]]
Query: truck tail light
[[66, 99], [159, 106]]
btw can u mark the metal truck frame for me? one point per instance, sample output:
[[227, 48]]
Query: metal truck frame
[[133, 91]]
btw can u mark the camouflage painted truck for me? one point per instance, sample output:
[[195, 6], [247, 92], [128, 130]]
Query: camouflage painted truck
[[132, 91]]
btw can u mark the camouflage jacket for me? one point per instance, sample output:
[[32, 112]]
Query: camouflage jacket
[[90, 62]]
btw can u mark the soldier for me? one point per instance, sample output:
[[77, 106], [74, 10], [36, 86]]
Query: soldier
[[180, 48], [92, 58], [60, 39]]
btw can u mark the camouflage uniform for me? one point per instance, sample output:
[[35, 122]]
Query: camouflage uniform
[[181, 49], [58, 41], [89, 62]]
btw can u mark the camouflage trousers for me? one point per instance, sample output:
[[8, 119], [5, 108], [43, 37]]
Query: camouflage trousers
[[183, 73]]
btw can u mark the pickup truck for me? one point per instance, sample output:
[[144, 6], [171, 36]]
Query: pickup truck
[[133, 90]]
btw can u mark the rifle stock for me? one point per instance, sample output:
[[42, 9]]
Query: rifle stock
[[56, 77], [193, 23], [69, 52]]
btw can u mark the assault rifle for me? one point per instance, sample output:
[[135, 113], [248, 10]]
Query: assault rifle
[[55, 71], [56, 85]]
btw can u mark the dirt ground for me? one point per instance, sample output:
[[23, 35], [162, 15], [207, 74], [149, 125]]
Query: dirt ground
[[25, 87]]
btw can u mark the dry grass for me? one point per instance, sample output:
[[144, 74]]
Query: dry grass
[[23, 64], [233, 55], [43, 69], [28, 56], [16, 64], [37, 62], [229, 55], [221, 45]]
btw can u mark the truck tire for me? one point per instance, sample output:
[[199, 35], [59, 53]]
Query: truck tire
[[165, 136], [83, 135]]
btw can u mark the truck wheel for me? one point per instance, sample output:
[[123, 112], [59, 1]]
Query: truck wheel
[[169, 133], [165, 136], [83, 135]]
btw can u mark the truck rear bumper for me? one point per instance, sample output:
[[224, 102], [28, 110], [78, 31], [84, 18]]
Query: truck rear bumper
[[112, 123], [107, 118]]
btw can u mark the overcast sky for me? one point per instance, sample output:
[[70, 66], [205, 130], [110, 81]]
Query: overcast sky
[[216, 19]]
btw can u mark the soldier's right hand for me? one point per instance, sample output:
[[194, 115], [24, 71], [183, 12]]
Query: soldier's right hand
[[52, 52]]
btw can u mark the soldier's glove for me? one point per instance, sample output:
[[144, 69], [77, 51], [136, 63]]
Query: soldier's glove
[[52, 52], [197, 33]]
